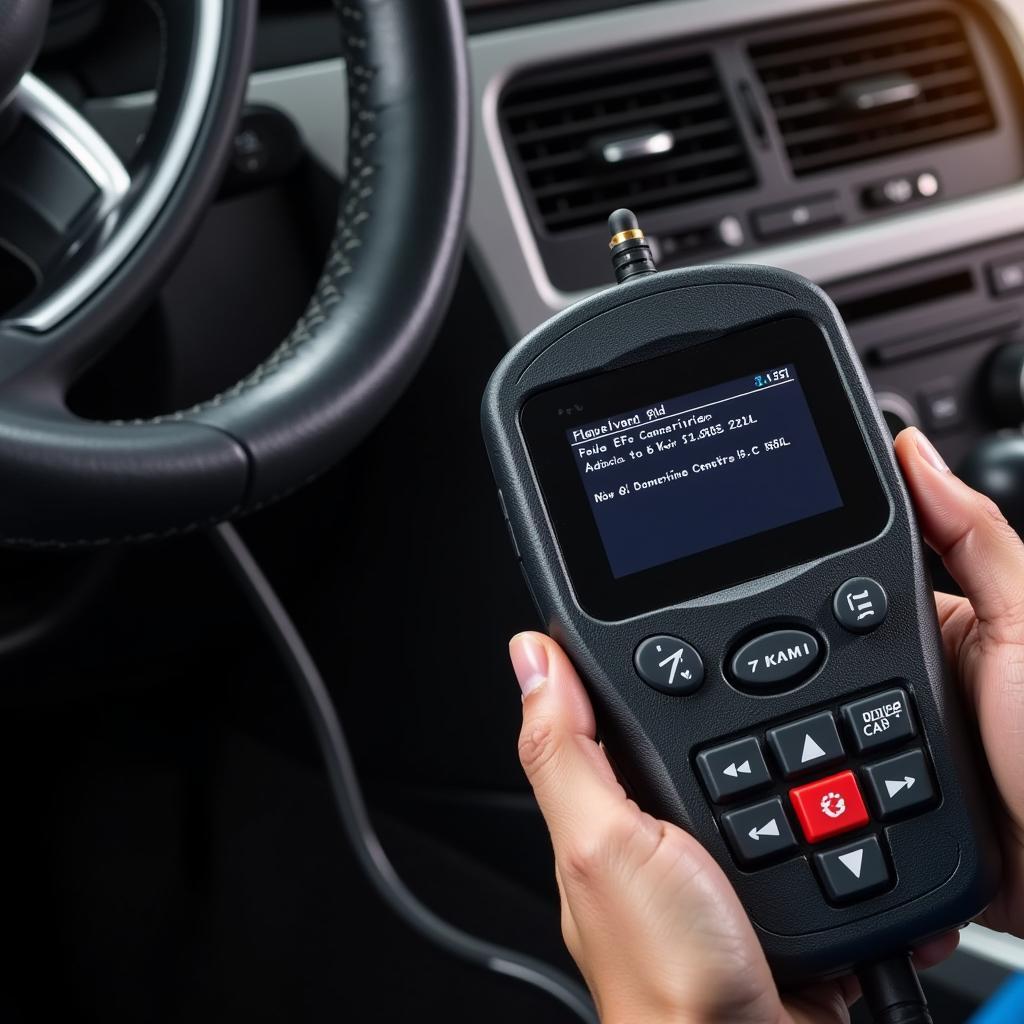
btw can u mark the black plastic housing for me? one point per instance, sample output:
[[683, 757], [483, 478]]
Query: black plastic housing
[[945, 860]]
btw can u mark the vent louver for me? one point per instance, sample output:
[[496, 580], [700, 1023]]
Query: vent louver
[[881, 87], [645, 134]]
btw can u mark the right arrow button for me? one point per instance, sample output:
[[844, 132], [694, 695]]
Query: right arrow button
[[901, 785], [893, 786]]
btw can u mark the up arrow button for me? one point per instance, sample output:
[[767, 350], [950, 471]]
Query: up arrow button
[[812, 751], [806, 745]]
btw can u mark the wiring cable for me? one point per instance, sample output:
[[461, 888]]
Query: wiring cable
[[351, 805], [893, 993]]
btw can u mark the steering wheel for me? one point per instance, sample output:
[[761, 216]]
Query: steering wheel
[[100, 237]]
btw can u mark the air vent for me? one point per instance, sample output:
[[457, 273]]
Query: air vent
[[874, 88], [646, 132]]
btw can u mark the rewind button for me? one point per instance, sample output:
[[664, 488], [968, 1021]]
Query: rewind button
[[732, 769]]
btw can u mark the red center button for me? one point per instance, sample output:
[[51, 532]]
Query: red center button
[[829, 807]]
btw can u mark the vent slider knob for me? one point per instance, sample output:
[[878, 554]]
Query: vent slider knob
[[651, 142], [883, 92]]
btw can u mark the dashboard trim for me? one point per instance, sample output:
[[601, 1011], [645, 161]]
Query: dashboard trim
[[501, 235], [314, 96], [501, 240]]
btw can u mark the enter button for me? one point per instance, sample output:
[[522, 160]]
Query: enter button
[[774, 658]]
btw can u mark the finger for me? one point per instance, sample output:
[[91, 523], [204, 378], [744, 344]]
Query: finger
[[981, 551], [956, 618], [574, 784], [827, 1003], [570, 929], [947, 605], [936, 950]]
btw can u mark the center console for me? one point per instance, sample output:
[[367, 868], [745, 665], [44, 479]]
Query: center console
[[941, 341]]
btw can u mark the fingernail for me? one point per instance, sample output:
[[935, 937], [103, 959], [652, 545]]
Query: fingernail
[[530, 661], [930, 453]]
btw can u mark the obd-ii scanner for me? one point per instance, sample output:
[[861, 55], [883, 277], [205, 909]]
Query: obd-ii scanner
[[709, 516]]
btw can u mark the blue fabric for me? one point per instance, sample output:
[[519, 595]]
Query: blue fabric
[[1006, 1006]]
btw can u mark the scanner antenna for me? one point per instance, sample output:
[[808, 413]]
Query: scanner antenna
[[631, 252]]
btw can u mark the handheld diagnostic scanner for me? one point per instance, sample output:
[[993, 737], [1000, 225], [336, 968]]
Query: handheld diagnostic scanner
[[709, 516]]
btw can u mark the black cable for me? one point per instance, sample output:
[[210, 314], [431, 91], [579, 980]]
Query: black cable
[[348, 797], [892, 992]]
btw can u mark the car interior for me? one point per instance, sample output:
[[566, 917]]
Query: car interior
[[257, 264]]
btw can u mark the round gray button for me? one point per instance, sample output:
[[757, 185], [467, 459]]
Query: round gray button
[[860, 605], [669, 664]]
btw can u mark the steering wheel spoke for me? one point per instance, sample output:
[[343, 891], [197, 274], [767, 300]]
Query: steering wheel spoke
[[61, 189]]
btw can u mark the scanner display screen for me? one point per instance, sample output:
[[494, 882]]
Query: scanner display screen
[[694, 471], [702, 469]]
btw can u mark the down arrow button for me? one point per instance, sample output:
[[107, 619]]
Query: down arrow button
[[782, 656]]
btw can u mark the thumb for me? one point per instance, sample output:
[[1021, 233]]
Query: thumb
[[981, 551], [574, 784]]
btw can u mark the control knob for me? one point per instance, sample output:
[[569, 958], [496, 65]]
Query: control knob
[[996, 468], [1006, 384]]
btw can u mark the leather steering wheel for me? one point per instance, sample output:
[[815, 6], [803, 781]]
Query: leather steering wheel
[[101, 243]]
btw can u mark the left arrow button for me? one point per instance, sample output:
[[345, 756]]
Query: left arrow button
[[760, 832]]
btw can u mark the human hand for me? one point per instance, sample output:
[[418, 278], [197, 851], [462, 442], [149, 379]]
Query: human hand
[[647, 914], [983, 633]]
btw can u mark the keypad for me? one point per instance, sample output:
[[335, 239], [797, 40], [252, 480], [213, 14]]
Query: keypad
[[822, 793]]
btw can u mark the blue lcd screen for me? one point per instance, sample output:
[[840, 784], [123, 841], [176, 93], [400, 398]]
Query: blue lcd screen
[[703, 469]]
